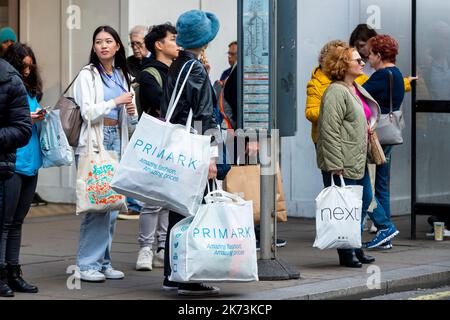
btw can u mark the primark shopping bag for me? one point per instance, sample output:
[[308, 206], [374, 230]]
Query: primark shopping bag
[[55, 148], [217, 245], [165, 164], [338, 217]]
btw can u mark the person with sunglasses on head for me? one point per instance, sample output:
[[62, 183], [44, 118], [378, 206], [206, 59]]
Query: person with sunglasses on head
[[105, 96]]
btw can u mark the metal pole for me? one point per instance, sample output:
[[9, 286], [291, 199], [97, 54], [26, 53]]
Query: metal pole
[[413, 126], [267, 201]]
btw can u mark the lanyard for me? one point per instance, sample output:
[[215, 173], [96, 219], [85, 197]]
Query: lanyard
[[112, 79]]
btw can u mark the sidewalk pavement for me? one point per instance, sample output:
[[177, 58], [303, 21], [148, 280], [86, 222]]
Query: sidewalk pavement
[[49, 247]]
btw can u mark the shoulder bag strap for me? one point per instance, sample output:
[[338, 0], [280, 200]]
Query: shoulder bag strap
[[70, 85], [391, 80]]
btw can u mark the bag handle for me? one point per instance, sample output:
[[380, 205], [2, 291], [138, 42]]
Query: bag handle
[[70, 85], [177, 95], [219, 195], [342, 180], [391, 103]]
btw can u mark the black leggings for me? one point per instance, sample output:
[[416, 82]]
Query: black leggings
[[19, 192]]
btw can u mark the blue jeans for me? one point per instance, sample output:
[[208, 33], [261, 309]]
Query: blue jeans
[[382, 183], [97, 230], [377, 216]]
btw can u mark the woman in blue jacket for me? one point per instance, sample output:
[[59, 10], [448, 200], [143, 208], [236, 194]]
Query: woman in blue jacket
[[383, 50], [21, 187]]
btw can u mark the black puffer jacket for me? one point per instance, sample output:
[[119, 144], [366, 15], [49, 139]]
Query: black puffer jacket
[[198, 93], [15, 120]]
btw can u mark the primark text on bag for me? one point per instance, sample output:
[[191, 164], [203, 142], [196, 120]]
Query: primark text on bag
[[338, 217], [217, 245], [165, 164]]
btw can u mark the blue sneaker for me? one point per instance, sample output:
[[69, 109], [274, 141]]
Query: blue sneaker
[[382, 237]]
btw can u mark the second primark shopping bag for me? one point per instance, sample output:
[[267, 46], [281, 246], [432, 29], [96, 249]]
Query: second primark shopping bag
[[338, 217], [165, 164], [218, 244]]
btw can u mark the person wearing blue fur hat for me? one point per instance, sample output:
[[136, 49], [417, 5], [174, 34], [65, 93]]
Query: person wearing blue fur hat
[[196, 29], [7, 38]]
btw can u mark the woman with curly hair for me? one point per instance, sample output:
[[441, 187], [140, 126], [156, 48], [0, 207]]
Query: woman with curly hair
[[383, 50], [21, 187], [347, 115]]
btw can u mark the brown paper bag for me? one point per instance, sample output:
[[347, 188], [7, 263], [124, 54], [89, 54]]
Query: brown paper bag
[[246, 181]]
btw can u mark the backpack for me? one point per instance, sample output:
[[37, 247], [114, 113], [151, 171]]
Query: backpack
[[155, 73]]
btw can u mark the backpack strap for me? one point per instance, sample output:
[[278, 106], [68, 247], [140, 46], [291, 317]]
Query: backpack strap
[[155, 73]]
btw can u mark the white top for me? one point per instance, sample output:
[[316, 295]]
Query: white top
[[88, 94]]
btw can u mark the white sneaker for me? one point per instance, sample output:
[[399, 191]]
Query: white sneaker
[[145, 259], [92, 276], [158, 262], [112, 274]]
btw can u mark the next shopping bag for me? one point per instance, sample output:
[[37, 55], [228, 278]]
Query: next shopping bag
[[94, 175], [165, 164], [55, 149], [338, 217], [217, 245]]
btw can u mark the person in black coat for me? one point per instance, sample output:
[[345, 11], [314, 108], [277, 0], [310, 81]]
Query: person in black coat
[[196, 29], [15, 132]]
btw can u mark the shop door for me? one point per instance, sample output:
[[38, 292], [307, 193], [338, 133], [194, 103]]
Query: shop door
[[430, 192]]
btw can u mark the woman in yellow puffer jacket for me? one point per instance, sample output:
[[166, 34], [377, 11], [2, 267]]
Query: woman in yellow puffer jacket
[[319, 83]]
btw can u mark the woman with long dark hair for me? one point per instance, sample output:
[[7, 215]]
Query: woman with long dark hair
[[104, 93], [20, 189]]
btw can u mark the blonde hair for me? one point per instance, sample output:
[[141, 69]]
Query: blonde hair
[[337, 62], [327, 47]]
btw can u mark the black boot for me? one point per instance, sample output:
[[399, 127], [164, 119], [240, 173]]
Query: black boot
[[348, 258], [16, 282], [362, 257], [5, 290]]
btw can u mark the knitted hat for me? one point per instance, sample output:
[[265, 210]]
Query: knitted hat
[[196, 28], [7, 34]]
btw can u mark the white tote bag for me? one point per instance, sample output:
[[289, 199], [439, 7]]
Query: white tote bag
[[165, 164], [55, 149], [94, 175], [338, 217], [217, 245]]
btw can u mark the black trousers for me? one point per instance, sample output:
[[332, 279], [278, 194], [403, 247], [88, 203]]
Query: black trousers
[[174, 218], [18, 195]]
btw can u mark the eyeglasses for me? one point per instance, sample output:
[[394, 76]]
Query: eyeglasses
[[136, 44], [359, 60], [233, 54]]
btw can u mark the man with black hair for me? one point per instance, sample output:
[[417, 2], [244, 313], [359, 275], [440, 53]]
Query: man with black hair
[[153, 220], [161, 41]]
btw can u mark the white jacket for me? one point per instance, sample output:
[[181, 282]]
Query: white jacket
[[88, 94]]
